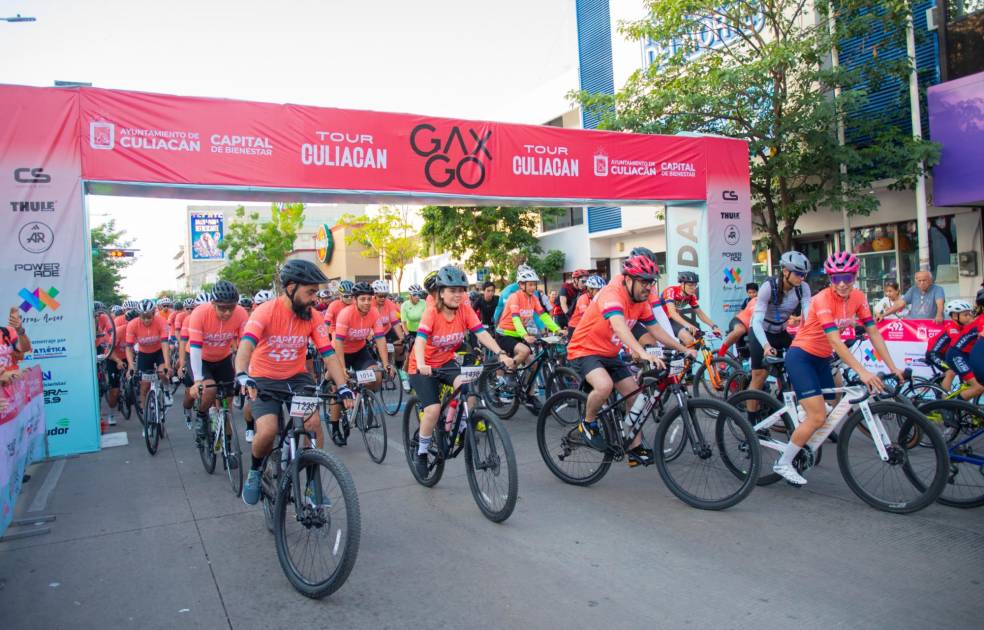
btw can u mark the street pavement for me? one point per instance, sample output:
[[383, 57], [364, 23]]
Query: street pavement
[[155, 542]]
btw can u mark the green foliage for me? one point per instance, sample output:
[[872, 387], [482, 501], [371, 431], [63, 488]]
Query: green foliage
[[387, 235], [548, 265], [775, 88], [107, 273], [498, 238], [255, 250]]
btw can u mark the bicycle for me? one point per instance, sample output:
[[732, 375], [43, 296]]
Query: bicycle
[[504, 392], [705, 425], [328, 508], [899, 454], [367, 413], [488, 449], [713, 370], [219, 439], [392, 386], [129, 395], [154, 410], [963, 429]]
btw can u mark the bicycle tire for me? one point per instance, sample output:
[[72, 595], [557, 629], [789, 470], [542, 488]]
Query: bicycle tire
[[914, 420], [736, 383], [206, 448], [492, 388], [152, 437], [373, 427], [481, 492], [233, 455], [317, 459], [411, 432], [271, 479], [767, 405], [921, 391], [569, 441], [563, 379], [126, 404], [725, 366], [956, 493], [137, 406], [391, 393]]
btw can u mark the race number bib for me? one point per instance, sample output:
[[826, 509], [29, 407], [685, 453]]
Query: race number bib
[[390, 348], [470, 374], [303, 406], [552, 339], [676, 367], [146, 377], [363, 377]]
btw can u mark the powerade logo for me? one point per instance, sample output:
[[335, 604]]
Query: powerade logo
[[39, 300], [732, 275], [61, 427]]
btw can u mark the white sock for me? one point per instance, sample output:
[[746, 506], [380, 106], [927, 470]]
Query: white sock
[[423, 444], [789, 453]]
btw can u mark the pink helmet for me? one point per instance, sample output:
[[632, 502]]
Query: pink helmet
[[841, 262]]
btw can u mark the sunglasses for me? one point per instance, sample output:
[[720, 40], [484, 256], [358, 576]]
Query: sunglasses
[[798, 274], [842, 278]]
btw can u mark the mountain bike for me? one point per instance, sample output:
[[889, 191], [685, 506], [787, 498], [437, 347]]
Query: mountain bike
[[490, 461], [504, 390], [367, 413], [392, 386], [220, 436], [318, 529], [712, 370], [154, 410]]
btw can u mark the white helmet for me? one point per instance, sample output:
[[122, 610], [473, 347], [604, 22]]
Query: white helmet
[[525, 273], [416, 289], [595, 282], [204, 297], [380, 286], [957, 306], [262, 296]]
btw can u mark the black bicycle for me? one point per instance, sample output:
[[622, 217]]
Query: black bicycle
[[309, 500], [367, 414], [219, 435], [504, 390], [490, 460]]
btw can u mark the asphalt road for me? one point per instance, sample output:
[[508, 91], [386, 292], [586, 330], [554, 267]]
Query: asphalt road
[[155, 542]]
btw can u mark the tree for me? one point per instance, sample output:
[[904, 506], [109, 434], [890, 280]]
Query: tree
[[774, 86], [497, 238], [107, 273], [255, 250], [547, 265], [386, 235]]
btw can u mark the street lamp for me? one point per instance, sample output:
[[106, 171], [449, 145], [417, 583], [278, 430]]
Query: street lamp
[[18, 18]]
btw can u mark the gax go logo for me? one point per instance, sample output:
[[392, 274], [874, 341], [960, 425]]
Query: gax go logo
[[451, 157]]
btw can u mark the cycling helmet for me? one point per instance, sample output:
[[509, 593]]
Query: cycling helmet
[[956, 306], [164, 301], [245, 301], [345, 287], [795, 261], [980, 297], [430, 281], [98, 306], [380, 286], [841, 262], [262, 296], [450, 276], [361, 288], [472, 296], [203, 297], [146, 306], [301, 272], [416, 289], [643, 251], [687, 276], [324, 294], [116, 310], [131, 315], [640, 267], [595, 282], [525, 273], [225, 292], [579, 273], [189, 302]]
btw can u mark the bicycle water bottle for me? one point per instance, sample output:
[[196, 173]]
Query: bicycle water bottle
[[634, 417], [213, 420], [449, 416]]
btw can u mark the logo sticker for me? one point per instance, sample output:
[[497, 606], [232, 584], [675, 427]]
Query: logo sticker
[[36, 237], [102, 135], [39, 300]]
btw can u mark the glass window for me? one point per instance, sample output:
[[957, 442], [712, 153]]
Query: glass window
[[875, 247], [566, 218]]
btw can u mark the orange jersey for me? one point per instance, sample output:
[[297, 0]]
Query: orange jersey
[[149, 337], [828, 313], [594, 336], [213, 336], [441, 336], [580, 307], [179, 321], [331, 315], [104, 330], [281, 340], [353, 328], [521, 305], [745, 316], [389, 314], [121, 325], [171, 318]]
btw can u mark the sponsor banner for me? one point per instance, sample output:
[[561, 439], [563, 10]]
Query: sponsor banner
[[21, 437], [206, 235], [45, 276], [906, 339]]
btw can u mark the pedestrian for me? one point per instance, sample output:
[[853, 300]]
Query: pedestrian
[[14, 344], [486, 304], [892, 297], [924, 299]]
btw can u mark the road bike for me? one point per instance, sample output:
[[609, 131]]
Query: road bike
[[154, 410], [219, 436], [962, 424], [367, 413]]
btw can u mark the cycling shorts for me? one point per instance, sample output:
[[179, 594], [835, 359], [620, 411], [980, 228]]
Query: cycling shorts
[[148, 361], [959, 362], [362, 359], [613, 365], [508, 343], [428, 388], [219, 371], [113, 373], [977, 361], [809, 374], [779, 341], [272, 406]]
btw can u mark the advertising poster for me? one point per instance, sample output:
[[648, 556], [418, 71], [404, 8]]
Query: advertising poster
[[206, 235]]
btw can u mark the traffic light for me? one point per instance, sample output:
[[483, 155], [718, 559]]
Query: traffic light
[[119, 253]]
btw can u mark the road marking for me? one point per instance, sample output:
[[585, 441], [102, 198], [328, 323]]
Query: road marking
[[41, 499]]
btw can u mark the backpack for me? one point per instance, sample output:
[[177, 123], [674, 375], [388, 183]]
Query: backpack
[[776, 299]]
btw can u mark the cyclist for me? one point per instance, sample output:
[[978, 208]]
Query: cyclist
[[840, 306], [441, 332], [164, 309], [410, 313], [184, 373], [261, 297], [592, 285], [172, 317], [273, 349], [961, 355], [389, 315], [509, 291], [247, 303], [740, 326], [570, 293], [214, 331], [324, 299], [116, 364], [684, 295], [516, 323], [345, 299], [655, 301], [356, 324], [149, 332], [598, 339]]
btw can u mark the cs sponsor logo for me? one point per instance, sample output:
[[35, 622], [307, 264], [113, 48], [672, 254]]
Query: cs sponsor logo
[[102, 135], [31, 175], [729, 195], [61, 427], [731, 234], [451, 157], [38, 299], [732, 276], [32, 206], [36, 237], [40, 270]]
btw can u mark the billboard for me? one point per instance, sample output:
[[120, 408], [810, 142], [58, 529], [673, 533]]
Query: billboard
[[206, 235]]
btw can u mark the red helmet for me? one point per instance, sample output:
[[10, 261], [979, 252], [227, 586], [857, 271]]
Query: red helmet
[[579, 273], [641, 267]]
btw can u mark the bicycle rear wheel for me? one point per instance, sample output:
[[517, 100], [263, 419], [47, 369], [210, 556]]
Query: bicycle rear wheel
[[491, 465], [391, 394], [716, 469], [372, 424], [317, 547], [233, 456], [963, 424], [270, 486], [563, 378], [778, 431], [206, 448], [562, 446], [152, 436], [914, 475], [499, 393], [713, 385], [126, 401], [411, 436]]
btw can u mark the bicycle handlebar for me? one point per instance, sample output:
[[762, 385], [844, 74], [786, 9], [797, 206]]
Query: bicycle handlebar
[[890, 391]]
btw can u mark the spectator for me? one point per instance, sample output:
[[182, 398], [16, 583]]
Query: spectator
[[569, 292], [13, 346], [486, 304], [752, 291], [924, 299], [892, 298], [555, 310]]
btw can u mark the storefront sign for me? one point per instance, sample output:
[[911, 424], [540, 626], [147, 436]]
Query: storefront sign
[[324, 243]]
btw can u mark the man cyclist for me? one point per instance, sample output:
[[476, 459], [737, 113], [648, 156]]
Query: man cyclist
[[273, 349], [684, 296], [214, 331], [569, 294], [149, 332], [178, 308], [164, 309], [263, 296], [345, 299], [203, 297]]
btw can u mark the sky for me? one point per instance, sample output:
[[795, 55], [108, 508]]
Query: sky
[[508, 60]]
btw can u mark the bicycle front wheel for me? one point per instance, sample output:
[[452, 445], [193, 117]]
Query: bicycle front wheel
[[233, 457], [712, 383], [152, 436], [391, 393], [562, 445], [916, 470], [491, 465], [716, 469], [411, 438], [563, 379], [963, 427], [372, 424], [206, 447], [126, 402], [317, 543]]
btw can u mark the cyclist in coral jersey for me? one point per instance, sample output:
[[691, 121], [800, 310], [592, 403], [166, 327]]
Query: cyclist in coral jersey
[[116, 364], [149, 332], [214, 331], [592, 285], [345, 299], [965, 355], [516, 324], [389, 317], [273, 349], [740, 327], [183, 372], [177, 310], [838, 307]]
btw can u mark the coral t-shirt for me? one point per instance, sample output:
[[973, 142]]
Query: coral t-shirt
[[331, 315], [121, 326], [104, 330], [594, 336], [829, 312], [745, 316], [179, 321], [523, 306], [442, 337], [148, 337], [583, 301], [8, 362], [389, 314], [281, 340], [353, 328], [214, 336]]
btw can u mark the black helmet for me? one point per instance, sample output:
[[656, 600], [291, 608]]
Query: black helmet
[[361, 288], [131, 315], [430, 281], [980, 297], [98, 306], [687, 276], [451, 276], [245, 302], [345, 287], [225, 292], [301, 272], [643, 251]]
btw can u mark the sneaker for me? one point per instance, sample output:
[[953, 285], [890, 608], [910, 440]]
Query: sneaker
[[406, 384], [640, 456], [423, 470], [111, 421], [250, 434], [789, 473], [251, 489], [592, 435], [337, 436]]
